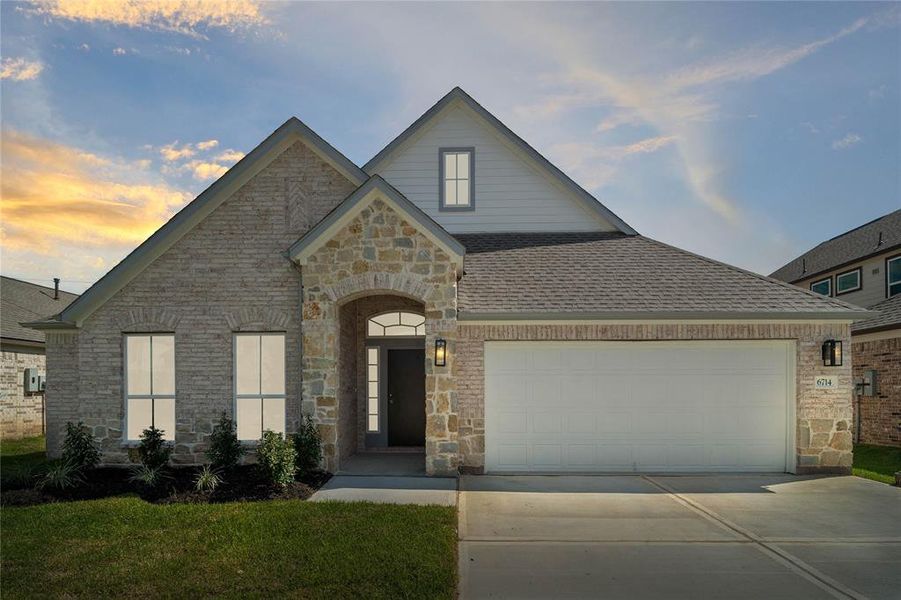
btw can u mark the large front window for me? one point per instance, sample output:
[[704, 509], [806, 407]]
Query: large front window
[[149, 384], [259, 384]]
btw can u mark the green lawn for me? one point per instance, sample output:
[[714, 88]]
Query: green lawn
[[16, 453], [879, 463], [120, 547]]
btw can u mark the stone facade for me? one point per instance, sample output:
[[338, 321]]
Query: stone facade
[[379, 252], [824, 417], [879, 416], [227, 274], [21, 413]]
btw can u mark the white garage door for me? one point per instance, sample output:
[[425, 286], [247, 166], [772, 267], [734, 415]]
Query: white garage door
[[636, 406]]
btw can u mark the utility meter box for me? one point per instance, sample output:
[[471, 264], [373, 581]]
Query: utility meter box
[[32, 381], [867, 384]]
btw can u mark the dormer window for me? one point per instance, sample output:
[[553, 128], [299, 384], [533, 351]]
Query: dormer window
[[823, 286], [456, 189]]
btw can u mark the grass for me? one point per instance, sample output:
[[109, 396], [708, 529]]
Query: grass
[[877, 462], [124, 546]]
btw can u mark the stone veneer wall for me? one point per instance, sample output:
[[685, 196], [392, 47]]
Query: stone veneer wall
[[379, 252], [879, 415], [21, 414], [228, 274], [824, 417]]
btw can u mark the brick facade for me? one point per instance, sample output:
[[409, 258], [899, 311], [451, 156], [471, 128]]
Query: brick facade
[[227, 274], [824, 417], [378, 252], [880, 415], [21, 413]]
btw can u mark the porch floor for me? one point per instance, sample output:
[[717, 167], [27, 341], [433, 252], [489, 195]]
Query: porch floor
[[411, 464]]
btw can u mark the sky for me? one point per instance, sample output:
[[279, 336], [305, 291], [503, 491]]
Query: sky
[[746, 132]]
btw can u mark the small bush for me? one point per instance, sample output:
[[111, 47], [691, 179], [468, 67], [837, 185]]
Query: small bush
[[207, 480], [20, 476], [225, 450], [308, 445], [61, 476], [277, 458], [80, 449], [148, 476], [154, 451]]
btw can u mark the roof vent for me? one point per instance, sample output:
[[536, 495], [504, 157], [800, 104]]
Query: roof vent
[[56, 288], [803, 265], [880, 242]]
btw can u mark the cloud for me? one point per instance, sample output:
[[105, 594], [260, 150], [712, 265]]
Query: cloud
[[230, 156], [850, 139], [183, 16], [207, 145], [19, 69], [85, 48], [594, 165], [56, 195], [172, 152], [810, 127], [119, 51], [203, 170]]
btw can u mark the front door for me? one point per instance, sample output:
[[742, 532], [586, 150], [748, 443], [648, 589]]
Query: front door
[[406, 397]]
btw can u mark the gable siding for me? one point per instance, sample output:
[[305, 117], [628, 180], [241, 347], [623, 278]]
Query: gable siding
[[510, 195], [872, 279], [227, 274]]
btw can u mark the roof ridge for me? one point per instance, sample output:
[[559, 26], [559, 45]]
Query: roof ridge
[[834, 301], [46, 287]]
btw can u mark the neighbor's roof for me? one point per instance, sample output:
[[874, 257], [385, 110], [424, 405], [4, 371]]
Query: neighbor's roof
[[615, 276], [458, 95], [888, 317], [849, 247], [21, 301]]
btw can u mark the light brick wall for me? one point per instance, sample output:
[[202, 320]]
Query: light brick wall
[[21, 413], [880, 415], [228, 274], [824, 417]]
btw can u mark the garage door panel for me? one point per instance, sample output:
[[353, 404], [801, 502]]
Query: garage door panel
[[645, 406]]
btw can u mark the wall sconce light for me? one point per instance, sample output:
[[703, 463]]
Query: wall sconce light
[[832, 353], [440, 352]]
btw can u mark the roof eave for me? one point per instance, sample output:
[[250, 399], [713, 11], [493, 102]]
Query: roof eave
[[849, 316], [51, 325]]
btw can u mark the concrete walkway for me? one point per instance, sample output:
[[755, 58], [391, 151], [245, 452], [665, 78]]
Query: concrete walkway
[[755, 536], [389, 490]]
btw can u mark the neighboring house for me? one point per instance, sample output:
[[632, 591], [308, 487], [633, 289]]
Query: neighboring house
[[22, 364], [458, 293], [863, 267]]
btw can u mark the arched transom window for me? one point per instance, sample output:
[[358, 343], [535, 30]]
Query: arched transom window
[[396, 324]]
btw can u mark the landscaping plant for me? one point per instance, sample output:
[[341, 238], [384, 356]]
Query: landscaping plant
[[277, 458], [148, 476], [225, 450], [207, 480], [308, 445], [61, 475], [80, 449], [153, 449]]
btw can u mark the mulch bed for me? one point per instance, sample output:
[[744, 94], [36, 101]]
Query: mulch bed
[[245, 483]]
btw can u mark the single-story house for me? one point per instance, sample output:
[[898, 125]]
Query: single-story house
[[863, 266], [22, 363], [460, 294]]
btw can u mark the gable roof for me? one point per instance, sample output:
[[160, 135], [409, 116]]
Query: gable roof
[[615, 276], [457, 95], [21, 301], [354, 203], [187, 218], [875, 237], [887, 316]]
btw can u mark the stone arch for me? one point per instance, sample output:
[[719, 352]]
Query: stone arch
[[148, 318], [258, 319], [409, 285]]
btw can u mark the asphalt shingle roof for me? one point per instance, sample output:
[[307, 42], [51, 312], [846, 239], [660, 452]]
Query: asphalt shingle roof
[[613, 273], [847, 247], [888, 317], [21, 301]]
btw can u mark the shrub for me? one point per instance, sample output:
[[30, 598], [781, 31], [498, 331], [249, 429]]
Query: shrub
[[20, 476], [225, 450], [147, 475], [154, 451], [308, 445], [61, 476], [207, 479], [277, 458], [80, 449]]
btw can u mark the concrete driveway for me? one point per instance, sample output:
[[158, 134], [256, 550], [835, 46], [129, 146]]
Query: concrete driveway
[[755, 536]]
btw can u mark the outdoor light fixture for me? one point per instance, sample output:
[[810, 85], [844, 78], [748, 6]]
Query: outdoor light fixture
[[832, 353], [440, 352]]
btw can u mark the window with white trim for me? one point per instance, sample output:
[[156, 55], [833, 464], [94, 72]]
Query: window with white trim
[[456, 178], [849, 281], [893, 276], [823, 286], [149, 384], [396, 324], [372, 390], [259, 384]]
